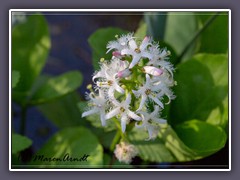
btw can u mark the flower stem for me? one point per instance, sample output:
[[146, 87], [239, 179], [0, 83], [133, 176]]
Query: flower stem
[[115, 140], [198, 33]]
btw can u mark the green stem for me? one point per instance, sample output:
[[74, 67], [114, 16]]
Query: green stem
[[23, 120], [206, 24], [115, 140]]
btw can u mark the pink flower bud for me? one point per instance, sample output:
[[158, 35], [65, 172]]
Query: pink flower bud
[[146, 39], [153, 70], [116, 53], [124, 73]]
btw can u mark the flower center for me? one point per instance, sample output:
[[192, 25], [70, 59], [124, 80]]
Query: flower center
[[137, 50], [148, 91], [110, 82], [122, 109]]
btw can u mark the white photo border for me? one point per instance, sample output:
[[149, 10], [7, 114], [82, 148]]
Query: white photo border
[[121, 10]]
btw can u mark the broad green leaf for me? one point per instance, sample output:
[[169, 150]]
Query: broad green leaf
[[154, 151], [19, 143], [176, 146], [74, 142], [214, 39], [219, 115], [63, 112], [167, 147], [98, 42], [15, 78], [56, 87], [30, 47], [203, 138], [202, 87], [156, 23], [180, 29]]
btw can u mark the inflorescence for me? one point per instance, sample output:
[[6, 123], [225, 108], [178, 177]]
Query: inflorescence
[[131, 87]]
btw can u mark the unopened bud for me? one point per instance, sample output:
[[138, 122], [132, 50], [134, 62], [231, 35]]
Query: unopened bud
[[153, 70], [89, 86], [124, 73], [116, 54]]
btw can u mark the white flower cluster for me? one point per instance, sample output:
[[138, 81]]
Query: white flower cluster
[[125, 152], [138, 73]]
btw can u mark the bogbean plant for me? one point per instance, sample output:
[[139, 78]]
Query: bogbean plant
[[155, 97], [138, 73]]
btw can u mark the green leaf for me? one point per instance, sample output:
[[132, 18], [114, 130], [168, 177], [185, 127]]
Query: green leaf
[[176, 146], [98, 42], [63, 111], [215, 38], [56, 87], [180, 29], [202, 87], [19, 143], [156, 24], [30, 47], [74, 142], [15, 78], [203, 138], [167, 147], [154, 151], [141, 32]]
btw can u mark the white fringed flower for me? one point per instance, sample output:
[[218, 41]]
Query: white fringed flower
[[148, 90], [150, 122], [98, 105], [137, 52], [122, 109], [125, 152], [120, 44]]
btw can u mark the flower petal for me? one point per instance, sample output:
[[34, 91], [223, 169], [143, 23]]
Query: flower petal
[[128, 99], [118, 88], [132, 44], [144, 97], [123, 123], [152, 132], [156, 100], [134, 116], [155, 112], [144, 43], [159, 120], [135, 60], [126, 51], [102, 117], [87, 113], [113, 113], [147, 55]]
